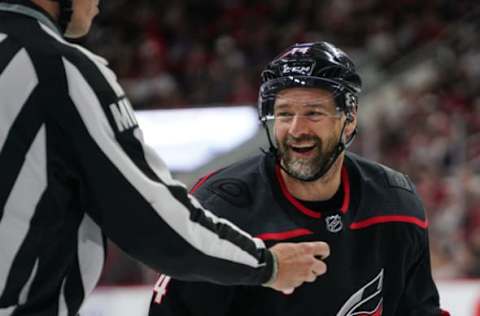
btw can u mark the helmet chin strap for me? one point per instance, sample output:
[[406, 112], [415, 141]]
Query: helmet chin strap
[[66, 12], [339, 148]]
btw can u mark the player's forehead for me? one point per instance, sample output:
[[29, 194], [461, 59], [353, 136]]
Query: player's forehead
[[304, 98]]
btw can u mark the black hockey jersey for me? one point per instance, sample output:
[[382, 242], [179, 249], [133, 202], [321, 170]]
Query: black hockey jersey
[[379, 262]]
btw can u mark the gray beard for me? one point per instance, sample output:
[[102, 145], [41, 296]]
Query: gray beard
[[305, 169]]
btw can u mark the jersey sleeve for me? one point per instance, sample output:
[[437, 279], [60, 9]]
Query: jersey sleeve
[[129, 192], [420, 296], [179, 298]]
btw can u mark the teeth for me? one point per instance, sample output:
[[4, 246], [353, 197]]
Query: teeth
[[302, 146]]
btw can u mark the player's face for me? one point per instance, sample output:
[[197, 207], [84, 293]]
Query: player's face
[[307, 128], [83, 13]]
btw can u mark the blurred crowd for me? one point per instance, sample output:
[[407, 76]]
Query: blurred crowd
[[193, 52], [434, 136], [190, 53]]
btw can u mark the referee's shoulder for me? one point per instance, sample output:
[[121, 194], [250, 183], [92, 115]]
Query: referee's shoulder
[[47, 44]]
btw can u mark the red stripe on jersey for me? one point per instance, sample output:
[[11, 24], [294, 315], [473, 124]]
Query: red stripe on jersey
[[444, 313], [290, 197], [306, 210], [389, 219], [201, 182], [285, 235], [346, 191]]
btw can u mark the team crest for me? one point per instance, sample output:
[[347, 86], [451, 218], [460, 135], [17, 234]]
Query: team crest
[[368, 301], [334, 223]]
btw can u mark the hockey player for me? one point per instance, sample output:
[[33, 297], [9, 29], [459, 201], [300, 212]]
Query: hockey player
[[369, 214]]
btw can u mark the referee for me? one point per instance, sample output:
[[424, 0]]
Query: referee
[[74, 170]]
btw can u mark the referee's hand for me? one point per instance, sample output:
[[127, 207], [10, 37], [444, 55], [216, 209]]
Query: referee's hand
[[298, 263]]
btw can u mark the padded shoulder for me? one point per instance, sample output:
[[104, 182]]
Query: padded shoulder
[[386, 193], [233, 186]]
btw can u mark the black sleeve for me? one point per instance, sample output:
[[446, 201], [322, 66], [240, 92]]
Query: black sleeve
[[177, 298], [420, 297], [129, 192]]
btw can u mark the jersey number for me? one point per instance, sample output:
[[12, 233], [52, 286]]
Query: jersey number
[[160, 288]]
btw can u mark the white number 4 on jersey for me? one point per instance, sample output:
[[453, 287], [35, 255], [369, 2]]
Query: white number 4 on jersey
[[160, 288]]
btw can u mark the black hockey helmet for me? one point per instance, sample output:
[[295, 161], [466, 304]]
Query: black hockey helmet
[[310, 65]]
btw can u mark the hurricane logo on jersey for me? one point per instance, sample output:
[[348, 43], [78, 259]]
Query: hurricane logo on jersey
[[368, 301]]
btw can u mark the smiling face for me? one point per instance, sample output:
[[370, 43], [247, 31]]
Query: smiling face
[[307, 128], [83, 13]]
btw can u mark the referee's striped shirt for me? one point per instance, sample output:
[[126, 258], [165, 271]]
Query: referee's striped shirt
[[74, 170]]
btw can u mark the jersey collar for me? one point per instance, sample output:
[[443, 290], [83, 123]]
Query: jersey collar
[[307, 211], [32, 11]]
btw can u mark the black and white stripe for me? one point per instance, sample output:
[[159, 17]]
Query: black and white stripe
[[71, 176]]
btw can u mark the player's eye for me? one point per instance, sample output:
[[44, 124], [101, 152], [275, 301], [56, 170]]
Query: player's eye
[[316, 115], [284, 114]]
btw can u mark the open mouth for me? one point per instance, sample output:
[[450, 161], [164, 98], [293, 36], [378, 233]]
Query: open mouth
[[302, 149]]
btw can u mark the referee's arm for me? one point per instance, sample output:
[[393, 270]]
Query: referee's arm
[[129, 191]]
